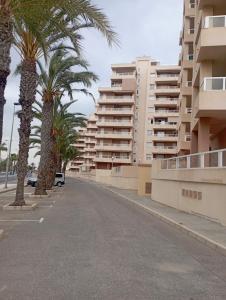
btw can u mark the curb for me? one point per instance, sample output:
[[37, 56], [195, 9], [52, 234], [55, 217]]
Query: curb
[[185, 229], [8, 190]]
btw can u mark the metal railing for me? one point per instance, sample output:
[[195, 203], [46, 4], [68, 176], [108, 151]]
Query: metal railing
[[166, 99], [211, 159], [215, 21], [214, 84]]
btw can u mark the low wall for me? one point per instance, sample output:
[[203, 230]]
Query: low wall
[[136, 178], [200, 191]]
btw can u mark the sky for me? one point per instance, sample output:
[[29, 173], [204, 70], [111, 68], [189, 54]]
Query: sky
[[144, 27]]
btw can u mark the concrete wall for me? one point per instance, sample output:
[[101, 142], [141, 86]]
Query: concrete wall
[[123, 177], [201, 191]]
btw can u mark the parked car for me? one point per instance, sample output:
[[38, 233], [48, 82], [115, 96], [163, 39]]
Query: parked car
[[59, 180]]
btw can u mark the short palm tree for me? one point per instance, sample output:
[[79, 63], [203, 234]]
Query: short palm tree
[[58, 80], [32, 13], [3, 148]]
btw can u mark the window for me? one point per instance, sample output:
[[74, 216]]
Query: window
[[152, 75], [152, 86], [149, 132], [149, 144]]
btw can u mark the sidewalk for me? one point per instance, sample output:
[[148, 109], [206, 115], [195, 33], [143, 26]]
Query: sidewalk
[[11, 187], [201, 228]]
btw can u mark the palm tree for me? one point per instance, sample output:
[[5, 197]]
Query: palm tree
[[58, 80], [64, 134], [34, 12], [3, 148]]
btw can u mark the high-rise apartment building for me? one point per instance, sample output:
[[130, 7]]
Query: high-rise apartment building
[[186, 61], [90, 143], [156, 113], [208, 124], [76, 164], [138, 115], [115, 112]]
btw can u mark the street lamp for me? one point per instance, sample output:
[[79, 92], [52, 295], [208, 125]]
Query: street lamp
[[10, 146]]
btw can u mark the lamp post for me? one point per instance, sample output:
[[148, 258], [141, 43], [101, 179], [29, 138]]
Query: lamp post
[[10, 146]]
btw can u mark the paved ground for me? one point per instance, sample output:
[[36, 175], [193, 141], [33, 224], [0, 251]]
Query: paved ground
[[93, 244]]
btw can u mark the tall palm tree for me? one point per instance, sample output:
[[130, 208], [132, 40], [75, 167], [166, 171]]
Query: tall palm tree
[[58, 80], [64, 134], [34, 12]]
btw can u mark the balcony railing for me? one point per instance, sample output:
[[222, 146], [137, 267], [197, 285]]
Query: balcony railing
[[212, 159], [165, 135], [167, 75], [160, 111], [165, 123], [215, 21], [158, 87], [115, 132], [166, 99], [214, 84], [165, 147]]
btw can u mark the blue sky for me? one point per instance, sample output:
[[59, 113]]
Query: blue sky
[[144, 27]]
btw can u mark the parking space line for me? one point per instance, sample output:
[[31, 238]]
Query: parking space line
[[39, 221]]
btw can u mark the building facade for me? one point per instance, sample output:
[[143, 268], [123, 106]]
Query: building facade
[[208, 124], [186, 61], [137, 117]]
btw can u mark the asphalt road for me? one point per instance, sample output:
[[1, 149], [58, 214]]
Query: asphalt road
[[95, 245], [10, 178]]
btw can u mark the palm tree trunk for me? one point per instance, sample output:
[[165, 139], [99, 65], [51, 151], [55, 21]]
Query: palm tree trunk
[[51, 173], [6, 37], [28, 85], [64, 167], [46, 147]]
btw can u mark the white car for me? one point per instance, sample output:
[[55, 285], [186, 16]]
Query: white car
[[59, 180]]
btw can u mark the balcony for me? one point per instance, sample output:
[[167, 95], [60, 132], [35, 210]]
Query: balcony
[[164, 150], [114, 123], [90, 134], [166, 113], [115, 159], [165, 125], [123, 75], [212, 39], [116, 100], [115, 135], [165, 137], [203, 3], [167, 78], [167, 90], [166, 101], [115, 111], [114, 147], [89, 149], [211, 101]]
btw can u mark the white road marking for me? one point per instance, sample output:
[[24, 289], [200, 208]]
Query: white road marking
[[46, 206], [39, 221]]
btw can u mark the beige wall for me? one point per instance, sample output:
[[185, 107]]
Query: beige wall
[[123, 177], [200, 191]]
